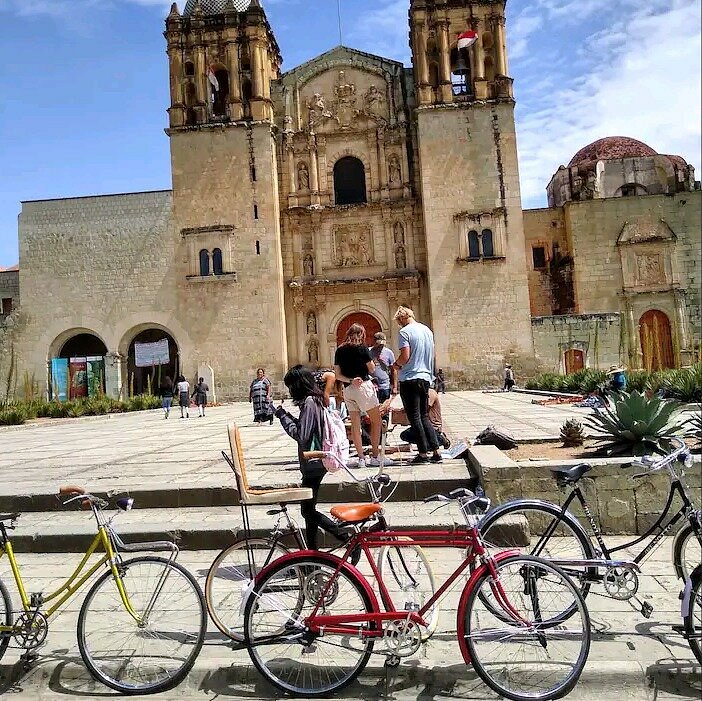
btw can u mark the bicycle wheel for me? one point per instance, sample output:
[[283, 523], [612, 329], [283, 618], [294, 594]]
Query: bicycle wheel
[[229, 578], [5, 617], [526, 657], [688, 551], [407, 574], [535, 529], [281, 647], [692, 620], [155, 653]]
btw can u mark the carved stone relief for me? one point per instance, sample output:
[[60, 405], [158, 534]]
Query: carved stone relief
[[313, 352], [303, 176], [398, 234], [311, 323], [649, 269], [394, 170], [308, 266], [374, 102], [353, 246]]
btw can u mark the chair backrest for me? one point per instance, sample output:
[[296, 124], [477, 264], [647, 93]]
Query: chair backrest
[[239, 465]]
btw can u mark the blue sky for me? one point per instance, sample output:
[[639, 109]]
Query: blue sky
[[86, 85]]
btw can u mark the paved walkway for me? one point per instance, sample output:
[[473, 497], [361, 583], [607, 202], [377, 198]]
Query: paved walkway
[[129, 451]]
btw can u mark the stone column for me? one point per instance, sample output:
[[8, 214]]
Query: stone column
[[406, 185], [201, 83], [236, 111], [420, 44], [501, 51], [322, 184], [113, 375], [679, 330], [176, 110], [292, 175], [382, 165], [314, 171], [373, 177], [634, 351], [445, 62]]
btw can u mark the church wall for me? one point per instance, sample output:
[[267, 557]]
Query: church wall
[[9, 289], [97, 264], [238, 318], [469, 175]]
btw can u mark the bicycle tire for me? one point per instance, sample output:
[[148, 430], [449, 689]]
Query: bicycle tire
[[692, 617], [687, 553], [224, 602], [5, 616], [524, 579], [573, 543], [103, 598], [395, 562], [268, 615]]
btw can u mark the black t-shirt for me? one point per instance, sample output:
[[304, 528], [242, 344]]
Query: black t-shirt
[[353, 360]]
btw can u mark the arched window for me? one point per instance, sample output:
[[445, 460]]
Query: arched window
[[217, 261], [204, 262], [189, 68], [486, 240], [473, 244], [349, 181], [460, 67], [434, 75], [220, 93]]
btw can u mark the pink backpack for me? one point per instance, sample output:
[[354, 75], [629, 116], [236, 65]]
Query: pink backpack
[[334, 440]]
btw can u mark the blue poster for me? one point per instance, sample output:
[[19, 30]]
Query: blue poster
[[59, 379]]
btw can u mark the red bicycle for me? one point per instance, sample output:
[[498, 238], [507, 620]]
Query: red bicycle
[[312, 619]]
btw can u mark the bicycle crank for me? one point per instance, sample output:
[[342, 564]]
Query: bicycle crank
[[402, 638], [31, 630], [621, 584]]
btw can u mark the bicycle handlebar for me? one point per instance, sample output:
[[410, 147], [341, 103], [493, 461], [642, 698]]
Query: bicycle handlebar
[[651, 464]]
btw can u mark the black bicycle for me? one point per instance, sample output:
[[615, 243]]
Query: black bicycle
[[556, 534], [691, 610]]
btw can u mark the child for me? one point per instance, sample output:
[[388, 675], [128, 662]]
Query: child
[[509, 379], [183, 388], [200, 394]]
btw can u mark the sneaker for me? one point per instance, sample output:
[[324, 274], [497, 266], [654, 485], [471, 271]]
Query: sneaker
[[360, 463], [419, 460], [381, 462], [436, 458], [444, 441]]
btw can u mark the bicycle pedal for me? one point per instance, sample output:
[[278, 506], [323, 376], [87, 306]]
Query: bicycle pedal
[[392, 661], [646, 609]]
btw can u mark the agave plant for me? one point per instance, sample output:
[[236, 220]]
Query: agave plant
[[685, 384], [632, 424], [572, 433], [694, 425]]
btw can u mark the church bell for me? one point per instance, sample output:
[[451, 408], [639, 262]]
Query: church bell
[[461, 67]]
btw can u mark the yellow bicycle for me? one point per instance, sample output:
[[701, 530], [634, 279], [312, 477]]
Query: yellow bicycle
[[142, 623]]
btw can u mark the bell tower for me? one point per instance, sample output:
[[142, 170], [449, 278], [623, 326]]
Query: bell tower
[[470, 192], [222, 58]]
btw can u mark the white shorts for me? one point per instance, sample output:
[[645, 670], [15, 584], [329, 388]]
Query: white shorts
[[361, 398]]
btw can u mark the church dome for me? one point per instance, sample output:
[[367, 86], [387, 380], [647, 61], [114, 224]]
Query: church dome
[[214, 7], [610, 148]]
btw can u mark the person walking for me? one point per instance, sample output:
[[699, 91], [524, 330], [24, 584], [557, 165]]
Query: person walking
[[200, 394], [260, 397], [509, 378], [384, 361], [353, 366], [166, 391], [183, 389], [440, 381], [308, 432], [436, 419], [415, 364]]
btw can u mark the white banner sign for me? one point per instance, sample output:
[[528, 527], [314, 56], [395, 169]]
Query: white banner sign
[[148, 354]]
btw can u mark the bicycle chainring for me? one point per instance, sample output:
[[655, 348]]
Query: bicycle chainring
[[402, 638], [621, 584], [31, 630]]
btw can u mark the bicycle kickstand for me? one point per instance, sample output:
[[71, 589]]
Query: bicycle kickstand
[[392, 663], [27, 660]]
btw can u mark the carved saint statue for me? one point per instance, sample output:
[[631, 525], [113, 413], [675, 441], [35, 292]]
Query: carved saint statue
[[364, 252], [318, 109], [373, 101], [313, 352], [400, 257], [394, 170], [311, 323], [399, 233], [308, 266], [303, 177]]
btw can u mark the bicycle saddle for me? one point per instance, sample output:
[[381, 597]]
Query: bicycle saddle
[[570, 475], [354, 513]]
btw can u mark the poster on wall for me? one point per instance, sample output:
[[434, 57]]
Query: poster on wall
[[147, 355], [78, 372], [59, 379], [96, 375]]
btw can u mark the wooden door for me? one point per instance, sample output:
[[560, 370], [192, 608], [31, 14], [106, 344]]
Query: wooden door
[[369, 322], [656, 340], [574, 360]]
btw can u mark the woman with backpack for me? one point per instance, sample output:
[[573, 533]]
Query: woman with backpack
[[308, 431]]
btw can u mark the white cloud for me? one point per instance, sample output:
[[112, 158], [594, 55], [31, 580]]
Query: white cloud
[[383, 31], [643, 81]]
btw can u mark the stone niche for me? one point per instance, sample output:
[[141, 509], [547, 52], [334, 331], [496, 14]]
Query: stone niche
[[646, 247]]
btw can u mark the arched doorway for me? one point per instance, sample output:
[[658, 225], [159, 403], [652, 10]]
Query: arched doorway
[[78, 369], [371, 324], [656, 340], [157, 358], [82, 345], [574, 360]]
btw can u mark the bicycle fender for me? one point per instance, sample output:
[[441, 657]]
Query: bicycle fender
[[463, 603], [687, 592], [333, 560], [682, 533]]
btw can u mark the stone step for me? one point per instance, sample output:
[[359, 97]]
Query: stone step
[[413, 484], [199, 528]]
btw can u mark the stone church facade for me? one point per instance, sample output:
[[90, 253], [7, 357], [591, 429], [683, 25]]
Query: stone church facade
[[307, 200]]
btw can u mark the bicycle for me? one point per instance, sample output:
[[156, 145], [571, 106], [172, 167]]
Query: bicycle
[[691, 610], [142, 623], [234, 569], [556, 534], [312, 619]]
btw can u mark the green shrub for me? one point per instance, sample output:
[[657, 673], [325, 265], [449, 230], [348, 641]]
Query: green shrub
[[142, 402], [684, 385], [632, 424], [12, 416]]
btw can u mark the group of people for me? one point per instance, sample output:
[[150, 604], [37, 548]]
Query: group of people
[[181, 389]]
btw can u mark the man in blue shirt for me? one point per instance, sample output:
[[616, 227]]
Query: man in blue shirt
[[416, 372]]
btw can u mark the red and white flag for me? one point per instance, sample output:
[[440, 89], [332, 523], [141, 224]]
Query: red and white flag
[[213, 79], [467, 39]]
